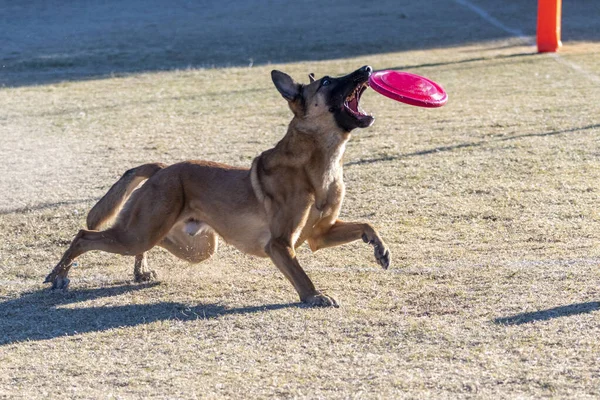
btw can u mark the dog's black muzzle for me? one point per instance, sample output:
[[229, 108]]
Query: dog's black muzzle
[[346, 111]]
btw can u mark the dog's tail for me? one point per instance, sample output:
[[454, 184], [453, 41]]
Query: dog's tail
[[110, 204]]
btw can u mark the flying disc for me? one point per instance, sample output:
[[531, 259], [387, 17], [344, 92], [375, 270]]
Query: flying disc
[[408, 88]]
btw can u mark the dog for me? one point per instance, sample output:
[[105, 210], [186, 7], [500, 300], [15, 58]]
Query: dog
[[290, 195]]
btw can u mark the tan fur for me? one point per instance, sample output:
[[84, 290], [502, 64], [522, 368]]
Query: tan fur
[[109, 205], [291, 194]]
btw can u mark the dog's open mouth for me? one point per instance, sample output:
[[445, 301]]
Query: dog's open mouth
[[352, 106]]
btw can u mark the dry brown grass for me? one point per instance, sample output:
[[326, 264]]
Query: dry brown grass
[[489, 205]]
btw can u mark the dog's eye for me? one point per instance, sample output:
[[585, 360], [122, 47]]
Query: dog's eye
[[325, 82]]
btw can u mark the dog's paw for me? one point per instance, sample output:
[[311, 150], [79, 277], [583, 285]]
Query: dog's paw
[[58, 282], [147, 276], [382, 254], [321, 300]]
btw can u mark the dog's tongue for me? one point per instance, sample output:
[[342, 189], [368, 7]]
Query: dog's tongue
[[353, 105]]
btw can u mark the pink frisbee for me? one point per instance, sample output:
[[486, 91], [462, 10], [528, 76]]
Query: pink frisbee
[[408, 88]]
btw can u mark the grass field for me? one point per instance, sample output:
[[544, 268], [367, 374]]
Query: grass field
[[490, 207]]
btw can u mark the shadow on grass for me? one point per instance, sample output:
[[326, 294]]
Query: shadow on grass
[[42, 315], [465, 61], [551, 313], [67, 42], [467, 145], [92, 40]]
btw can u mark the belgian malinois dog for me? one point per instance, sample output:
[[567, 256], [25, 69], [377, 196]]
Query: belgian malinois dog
[[291, 194]]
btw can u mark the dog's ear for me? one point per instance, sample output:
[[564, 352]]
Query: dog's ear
[[311, 76], [286, 85]]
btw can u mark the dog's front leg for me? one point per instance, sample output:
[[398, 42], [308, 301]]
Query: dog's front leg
[[284, 257], [344, 232]]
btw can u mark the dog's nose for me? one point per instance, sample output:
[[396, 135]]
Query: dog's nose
[[367, 69]]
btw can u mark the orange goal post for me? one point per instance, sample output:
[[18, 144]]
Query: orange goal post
[[548, 25]]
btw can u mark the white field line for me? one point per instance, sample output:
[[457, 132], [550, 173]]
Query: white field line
[[493, 21], [526, 39], [576, 67]]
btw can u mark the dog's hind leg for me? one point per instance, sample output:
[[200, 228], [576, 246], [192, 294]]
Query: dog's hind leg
[[58, 276], [190, 245], [113, 240], [141, 272], [193, 248], [143, 225], [147, 217]]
